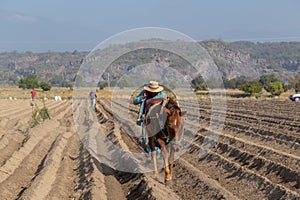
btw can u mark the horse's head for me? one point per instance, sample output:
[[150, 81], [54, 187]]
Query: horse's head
[[174, 123]]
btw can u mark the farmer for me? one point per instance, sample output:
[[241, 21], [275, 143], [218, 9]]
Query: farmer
[[151, 91], [33, 94], [93, 97]]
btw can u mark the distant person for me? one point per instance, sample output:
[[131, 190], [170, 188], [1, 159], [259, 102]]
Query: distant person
[[33, 94], [93, 97]]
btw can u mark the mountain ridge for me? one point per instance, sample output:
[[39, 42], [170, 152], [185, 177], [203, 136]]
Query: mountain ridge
[[233, 59]]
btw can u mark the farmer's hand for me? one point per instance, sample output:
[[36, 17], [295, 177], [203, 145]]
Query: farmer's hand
[[144, 95]]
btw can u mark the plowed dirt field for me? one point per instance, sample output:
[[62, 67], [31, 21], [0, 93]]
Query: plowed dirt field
[[256, 156]]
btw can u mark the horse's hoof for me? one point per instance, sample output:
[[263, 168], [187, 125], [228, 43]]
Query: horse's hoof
[[155, 173], [168, 181]]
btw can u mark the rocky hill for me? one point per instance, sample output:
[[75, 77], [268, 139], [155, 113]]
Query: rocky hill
[[232, 59], [47, 66], [255, 59]]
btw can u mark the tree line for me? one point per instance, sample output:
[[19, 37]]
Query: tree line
[[32, 82], [270, 82]]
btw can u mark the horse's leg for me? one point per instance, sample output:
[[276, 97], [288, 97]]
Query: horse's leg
[[154, 163], [153, 153], [171, 159], [165, 149], [168, 175], [164, 153]]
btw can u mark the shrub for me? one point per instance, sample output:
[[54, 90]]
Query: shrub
[[265, 80], [29, 82], [251, 87], [101, 85], [200, 87], [69, 85], [235, 82], [38, 115], [276, 88], [45, 86], [198, 83]]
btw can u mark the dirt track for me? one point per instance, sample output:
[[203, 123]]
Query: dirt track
[[255, 157]]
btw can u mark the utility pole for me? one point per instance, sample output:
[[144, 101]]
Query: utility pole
[[108, 83]]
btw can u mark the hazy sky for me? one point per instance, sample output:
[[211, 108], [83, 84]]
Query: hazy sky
[[66, 25]]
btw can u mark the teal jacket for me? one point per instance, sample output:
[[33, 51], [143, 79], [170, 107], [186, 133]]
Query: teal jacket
[[139, 100]]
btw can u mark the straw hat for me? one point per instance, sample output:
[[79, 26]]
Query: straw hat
[[153, 87]]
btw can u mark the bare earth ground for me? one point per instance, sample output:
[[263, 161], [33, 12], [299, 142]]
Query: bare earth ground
[[257, 156]]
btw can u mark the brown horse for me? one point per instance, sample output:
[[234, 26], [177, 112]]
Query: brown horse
[[164, 126]]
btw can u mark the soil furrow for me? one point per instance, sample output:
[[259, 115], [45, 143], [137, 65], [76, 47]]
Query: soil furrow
[[28, 158], [41, 185], [213, 193], [230, 172], [15, 138]]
